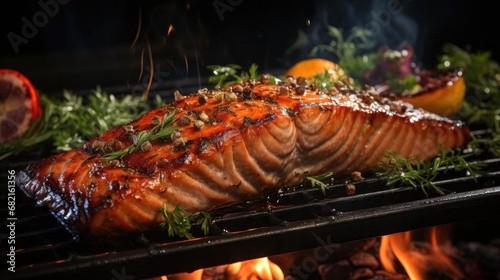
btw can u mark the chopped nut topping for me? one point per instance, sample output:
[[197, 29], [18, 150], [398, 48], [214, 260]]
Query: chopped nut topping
[[108, 147], [117, 145], [283, 90], [300, 90], [175, 135], [130, 136], [114, 163], [344, 90], [238, 89], [219, 96], [333, 91], [129, 128], [230, 97], [112, 146], [350, 189], [339, 85], [396, 107], [356, 176], [301, 80], [98, 145], [184, 120], [199, 124], [290, 81], [202, 90], [202, 99], [264, 79], [146, 146], [178, 95], [247, 92], [204, 117], [179, 142], [367, 98], [155, 120]]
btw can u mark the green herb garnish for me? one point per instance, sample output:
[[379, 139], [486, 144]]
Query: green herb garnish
[[158, 131], [353, 53], [317, 181], [71, 120], [230, 74], [407, 85], [482, 101], [233, 73], [421, 174], [178, 222]]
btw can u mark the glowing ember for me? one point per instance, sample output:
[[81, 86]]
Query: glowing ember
[[170, 29], [420, 252]]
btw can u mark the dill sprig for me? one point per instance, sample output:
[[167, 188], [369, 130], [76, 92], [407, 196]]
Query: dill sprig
[[178, 222], [161, 130], [318, 181], [421, 174]]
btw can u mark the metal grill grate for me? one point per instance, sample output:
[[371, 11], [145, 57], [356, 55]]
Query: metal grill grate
[[291, 220]]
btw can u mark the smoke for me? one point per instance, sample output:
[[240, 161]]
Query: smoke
[[388, 20]]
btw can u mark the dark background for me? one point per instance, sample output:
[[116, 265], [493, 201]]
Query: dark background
[[78, 45]]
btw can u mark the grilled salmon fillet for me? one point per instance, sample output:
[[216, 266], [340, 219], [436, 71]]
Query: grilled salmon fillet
[[229, 146]]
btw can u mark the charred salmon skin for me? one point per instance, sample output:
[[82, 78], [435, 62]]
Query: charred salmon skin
[[224, 147]]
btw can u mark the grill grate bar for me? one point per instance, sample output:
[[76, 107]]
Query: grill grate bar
[[296, 235]]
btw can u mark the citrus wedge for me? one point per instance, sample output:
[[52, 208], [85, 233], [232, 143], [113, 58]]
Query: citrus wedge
[[308, 68], [444, 100]]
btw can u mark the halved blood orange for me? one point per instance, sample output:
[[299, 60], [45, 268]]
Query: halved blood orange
[[439, 92], [308, 68], [19, 104]]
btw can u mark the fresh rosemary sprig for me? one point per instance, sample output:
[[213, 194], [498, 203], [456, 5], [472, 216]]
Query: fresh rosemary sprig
[[317, 181], [178, 222], [421, 174], [161, 130]]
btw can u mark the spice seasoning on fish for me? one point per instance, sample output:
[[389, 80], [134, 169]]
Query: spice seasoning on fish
[[144, 138]]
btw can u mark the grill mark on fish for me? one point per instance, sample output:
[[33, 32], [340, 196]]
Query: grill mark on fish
[[373, 141], [379, 144], [261, 142], [345, 143]]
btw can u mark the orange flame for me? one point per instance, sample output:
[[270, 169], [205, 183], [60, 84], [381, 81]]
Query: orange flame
[[419, 261], [261, 268]]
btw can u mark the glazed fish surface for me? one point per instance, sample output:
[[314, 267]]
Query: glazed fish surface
[[221, 147]]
